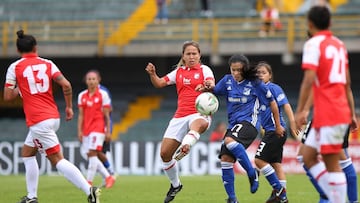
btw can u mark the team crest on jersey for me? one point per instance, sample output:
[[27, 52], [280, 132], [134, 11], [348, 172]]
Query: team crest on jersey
[[196, 75], [96, 100], [249, 84], [246, 91], [228, 82]]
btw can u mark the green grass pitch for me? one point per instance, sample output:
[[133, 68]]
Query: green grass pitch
[[152, 189]]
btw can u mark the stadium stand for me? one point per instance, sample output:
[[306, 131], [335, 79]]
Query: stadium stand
[[49, 10]]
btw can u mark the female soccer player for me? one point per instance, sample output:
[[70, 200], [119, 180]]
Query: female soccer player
[[94, 125], [191, 78], [31, 77], [243, 90], [268, 156]]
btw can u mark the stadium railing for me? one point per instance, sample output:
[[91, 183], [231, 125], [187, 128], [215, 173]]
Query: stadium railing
[[214, 30]]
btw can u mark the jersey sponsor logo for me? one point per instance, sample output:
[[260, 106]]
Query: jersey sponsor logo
[[232, 99], [186, 81]]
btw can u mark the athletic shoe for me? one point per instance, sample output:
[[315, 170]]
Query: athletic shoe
[[272, 198], [278, 196], [254, 182], [109, 182], [231, 200], [172, 193], [94, 195], [25, 199]]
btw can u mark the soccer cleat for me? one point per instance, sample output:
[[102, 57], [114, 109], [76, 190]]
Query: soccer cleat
[[272, 198], [109, 182], [254, 182], [278, 196], [172, 193], [231, 200], [94, 195], [25, 199]]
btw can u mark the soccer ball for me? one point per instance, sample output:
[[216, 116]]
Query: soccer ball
[[206, 103]]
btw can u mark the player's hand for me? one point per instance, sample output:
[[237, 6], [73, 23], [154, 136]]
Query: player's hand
[[209, 85], [107, 137], [354, 124], [200, 88], [80, 137], [69, 113], [301, 119], [182, 152], [280, 131], [150, 69]]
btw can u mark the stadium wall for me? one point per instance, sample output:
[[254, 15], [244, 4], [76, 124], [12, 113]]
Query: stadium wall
[[142, 158]]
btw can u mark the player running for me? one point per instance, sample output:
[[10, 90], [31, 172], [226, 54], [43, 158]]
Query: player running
[[31, 77]]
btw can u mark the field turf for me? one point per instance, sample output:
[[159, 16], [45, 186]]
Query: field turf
[[152, 189]]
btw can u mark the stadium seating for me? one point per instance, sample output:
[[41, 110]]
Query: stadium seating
[[43, 10]]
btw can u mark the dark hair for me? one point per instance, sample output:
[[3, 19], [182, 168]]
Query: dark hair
[[320, 16], [93, 71], [25, 43], [248, 71], [268, 68]]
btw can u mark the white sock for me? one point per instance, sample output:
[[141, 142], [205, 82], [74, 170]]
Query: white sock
[[102, 170], [73, 174], [172, 171], [31, 175], [92, 167], [321, 175], [283, 183], [338, 187]]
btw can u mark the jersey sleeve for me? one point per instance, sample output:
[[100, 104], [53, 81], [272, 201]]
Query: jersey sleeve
[[106, 101], [311, 54], [208, 73], [170, 78], [220, 87], [263, 93], [80, 104], [279, 95], [10, 81]]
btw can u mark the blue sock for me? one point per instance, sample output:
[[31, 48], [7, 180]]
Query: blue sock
[[239, 152], [271, 177], [351, 179], [228, 179], [106, 164], [314, 182]]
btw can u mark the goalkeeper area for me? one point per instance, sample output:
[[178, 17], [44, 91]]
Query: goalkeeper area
[[152, 189]]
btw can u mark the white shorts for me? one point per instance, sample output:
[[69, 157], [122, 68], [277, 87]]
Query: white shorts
[[94, 141], [327, 139], [179, 127], [43, 136]]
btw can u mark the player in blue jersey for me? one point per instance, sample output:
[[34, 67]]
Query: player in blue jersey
[[269, 154], [243, 91]]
